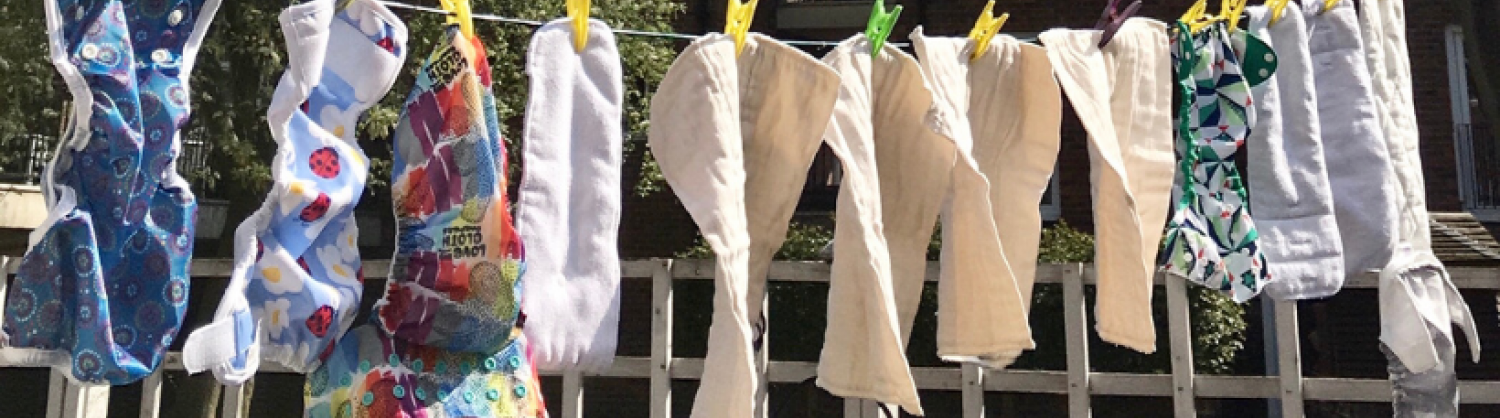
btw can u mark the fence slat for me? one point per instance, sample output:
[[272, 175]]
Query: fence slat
[[234, 400], [973, 392], [1075, 318], [661, 340], [572, 395], [85, 401], [151, 395], [1181, 337], [1289, 359], [57, 387]]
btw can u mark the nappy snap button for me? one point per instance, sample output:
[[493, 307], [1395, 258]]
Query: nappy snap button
[[89, 51], [174, 18], [492, 394], [398, 391], [490, 364], [161, 56]]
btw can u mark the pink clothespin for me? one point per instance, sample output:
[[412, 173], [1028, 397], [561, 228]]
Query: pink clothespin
[[1112, 18]]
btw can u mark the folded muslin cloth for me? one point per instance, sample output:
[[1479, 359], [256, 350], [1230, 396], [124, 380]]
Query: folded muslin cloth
[[1123, 96], [864, 352], [1418, 301], [569, 204], [1359, 166], [1008, 102], [1211, 239], [297, 278], [734, 136], [1290, 195], [446, 339], [103, 289]]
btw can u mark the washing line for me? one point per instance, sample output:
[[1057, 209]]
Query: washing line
[[533, 23]]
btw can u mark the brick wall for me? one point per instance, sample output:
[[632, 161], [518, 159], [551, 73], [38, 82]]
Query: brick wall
[[667, 226]]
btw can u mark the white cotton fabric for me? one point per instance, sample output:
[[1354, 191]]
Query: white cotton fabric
[[1123, 96], [864, 352], [568, 208], [1009, 103], [1417, 297], [1287, 174], [1359, 166], [734, 137]]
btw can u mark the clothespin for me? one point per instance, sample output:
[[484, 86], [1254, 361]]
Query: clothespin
[[1112, 18], [459, 13], [578, 10], [880, 25], [1277, 7], [1194, 12], [1328, 5], [1231, 10], [737, 23], [985, 29]]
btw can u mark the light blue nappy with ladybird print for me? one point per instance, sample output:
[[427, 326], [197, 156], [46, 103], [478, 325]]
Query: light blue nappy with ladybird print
[[297, 280]]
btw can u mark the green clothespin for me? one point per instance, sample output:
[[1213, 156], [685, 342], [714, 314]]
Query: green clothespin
[[880, 26]]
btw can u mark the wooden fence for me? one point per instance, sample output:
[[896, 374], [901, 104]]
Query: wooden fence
[[1077, 382]]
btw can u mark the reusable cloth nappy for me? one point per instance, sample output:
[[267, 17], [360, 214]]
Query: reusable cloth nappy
[[446, 338], [1211, 240], [102, 291], [297, 279]]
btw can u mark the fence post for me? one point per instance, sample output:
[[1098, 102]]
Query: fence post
[[151, 395], [1289, 358], [572, 394], [57, 386], [973, 391], [81, 401], [1180, 333], [661, 340], [234, 399], [1075, 319]]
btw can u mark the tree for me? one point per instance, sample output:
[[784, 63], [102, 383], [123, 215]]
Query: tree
[[29, 97], [245, 46]]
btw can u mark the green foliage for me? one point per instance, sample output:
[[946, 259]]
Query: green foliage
[[803, 242], [28, 83], [243, 56]]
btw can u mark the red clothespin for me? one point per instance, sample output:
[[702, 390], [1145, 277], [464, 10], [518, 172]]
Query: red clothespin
[[1112, 18]]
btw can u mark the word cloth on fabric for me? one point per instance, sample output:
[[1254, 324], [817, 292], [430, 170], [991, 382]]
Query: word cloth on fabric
[[569, 204], [102, 291], [297, 278], [1122, 94], [1211, 239], [734, 136], [446, 338]]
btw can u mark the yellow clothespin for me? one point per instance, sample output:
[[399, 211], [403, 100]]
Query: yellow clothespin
[[460, 14], [1194, 14], [737, 23], [578, 10], [1277, 7], [1328, 5], [1232, 10], [985, 29]]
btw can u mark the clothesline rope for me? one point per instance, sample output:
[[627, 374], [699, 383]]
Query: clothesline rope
[[527, 22]]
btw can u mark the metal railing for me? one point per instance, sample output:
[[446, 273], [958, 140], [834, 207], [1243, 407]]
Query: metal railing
[[1479, 166], [1077, 382]]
